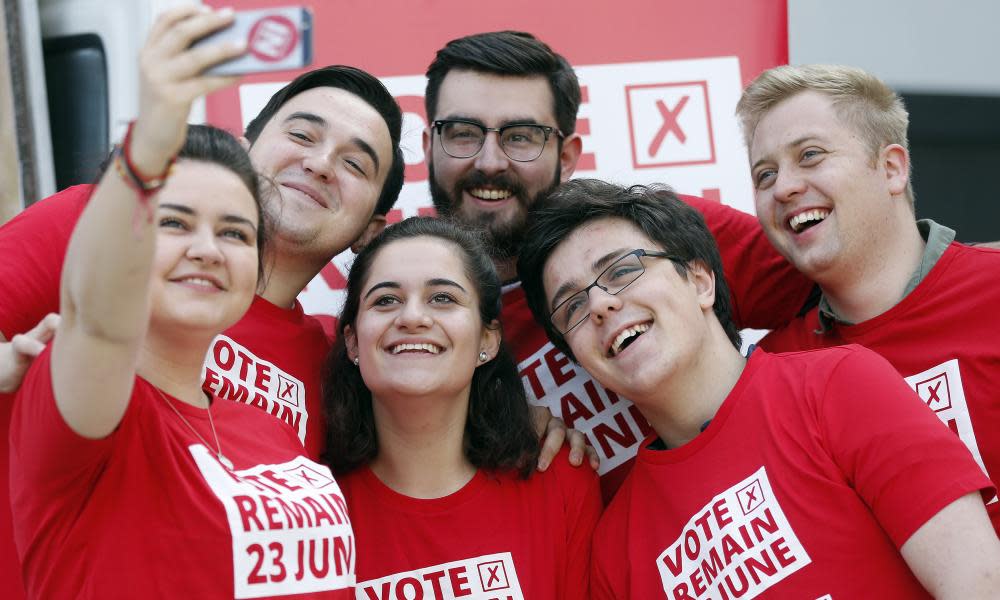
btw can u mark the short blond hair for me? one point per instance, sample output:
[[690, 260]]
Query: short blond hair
[[861, 100]]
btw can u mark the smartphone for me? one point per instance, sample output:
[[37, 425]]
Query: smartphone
[[277, 39]]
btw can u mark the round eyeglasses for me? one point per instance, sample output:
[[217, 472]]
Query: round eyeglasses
[[619, 275], [521, 142]]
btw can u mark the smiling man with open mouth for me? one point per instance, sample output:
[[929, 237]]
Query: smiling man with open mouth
[[759, 473], [501, 133], [831, 170]]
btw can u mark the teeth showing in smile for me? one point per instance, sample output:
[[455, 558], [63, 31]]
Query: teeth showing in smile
[[415, 348], [484, 194], [619, 343], [199, 281], [805, 220]]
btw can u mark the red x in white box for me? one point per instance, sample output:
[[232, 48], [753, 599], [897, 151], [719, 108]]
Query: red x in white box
[[670, 124]]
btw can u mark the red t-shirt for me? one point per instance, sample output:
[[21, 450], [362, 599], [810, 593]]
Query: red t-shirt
[[273, 359], [943, 339], [816, 469], [32, 247], [766, 290], [150, 511], [497, 537]]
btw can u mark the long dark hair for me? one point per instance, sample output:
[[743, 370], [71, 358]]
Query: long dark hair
[[498, 432]]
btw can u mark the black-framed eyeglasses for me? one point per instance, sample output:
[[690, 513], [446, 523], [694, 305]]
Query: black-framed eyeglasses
[[618, 276], [521, 142]]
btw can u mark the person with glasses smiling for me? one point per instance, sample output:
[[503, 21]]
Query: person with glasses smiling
[[502, 133], [808, 475], [625, 269], [512, 85]]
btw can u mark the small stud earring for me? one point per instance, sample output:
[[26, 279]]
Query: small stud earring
[[483, 357], [356, 361]]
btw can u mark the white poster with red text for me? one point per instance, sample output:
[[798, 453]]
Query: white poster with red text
[[291, 533]]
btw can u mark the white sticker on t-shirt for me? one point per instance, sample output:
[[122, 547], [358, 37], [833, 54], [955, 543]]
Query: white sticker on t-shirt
[[291, 533], [612, 424], [941, 389], [737, 546], [234, 373], [490, 577]]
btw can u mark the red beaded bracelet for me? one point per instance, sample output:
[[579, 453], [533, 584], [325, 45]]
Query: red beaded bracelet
[[145, 187]]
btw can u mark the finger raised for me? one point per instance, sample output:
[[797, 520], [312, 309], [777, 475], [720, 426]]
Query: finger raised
[[187, 31]]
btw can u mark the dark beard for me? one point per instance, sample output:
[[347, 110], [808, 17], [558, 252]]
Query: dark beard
[[504, 238]]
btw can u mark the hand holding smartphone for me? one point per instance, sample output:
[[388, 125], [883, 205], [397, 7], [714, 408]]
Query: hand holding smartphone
[[277, 39]]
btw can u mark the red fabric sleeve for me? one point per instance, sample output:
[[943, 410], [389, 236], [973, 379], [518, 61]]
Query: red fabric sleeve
[[767, 290], [902, 461], [52, 468], [33, 246], [609, 566], [45, 451], [582, 499], [600, 586]]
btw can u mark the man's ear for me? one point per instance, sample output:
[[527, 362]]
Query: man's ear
[[703, 279], [244, 142], [374, 227], [896, 161], [428, 134], [350, 342], [572, 146]]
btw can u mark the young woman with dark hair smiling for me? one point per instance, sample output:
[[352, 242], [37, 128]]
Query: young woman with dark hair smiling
[[127, 479], [431, 437]]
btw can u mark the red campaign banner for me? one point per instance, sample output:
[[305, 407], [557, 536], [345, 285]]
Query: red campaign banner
[[400, 37], [660, 81]]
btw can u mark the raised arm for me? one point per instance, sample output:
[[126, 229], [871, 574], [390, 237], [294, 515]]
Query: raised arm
[[106, 276]]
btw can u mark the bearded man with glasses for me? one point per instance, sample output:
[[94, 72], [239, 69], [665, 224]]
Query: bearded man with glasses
[[772, 475], [501, 108]]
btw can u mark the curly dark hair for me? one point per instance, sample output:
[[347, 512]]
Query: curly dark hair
[[498, 432]]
